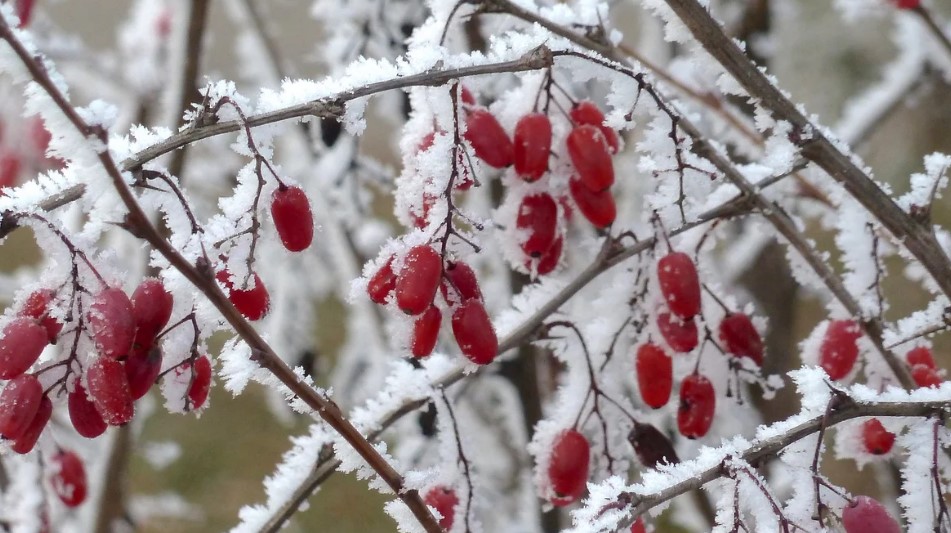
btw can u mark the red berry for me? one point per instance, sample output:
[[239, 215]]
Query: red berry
[[111, 322], [445, 501], [19, 403], [585, 112], [538, 216], [253, 303], [866, 515], [418, 281], [9, 169], [740, 337], [37, 305], [655, 375], [926, 376], [489, 141], [142, 369], [681, 335], [473, 331], [652, 447], [25, 442], [466, 96], [568, 466], [22, 343], [293, 220], [68, 478], [426, 332], [532, 145], [25, 11], [920, 356], [876, 439], [679, 284], [461, 283], [83, 414], [697, 404], [109, 391], [588, 150], [151, 307], [200, 382], [839, 349], [420, 220], [549, 260], [382, 283], [907, 4], [638, 526], [597, 207]]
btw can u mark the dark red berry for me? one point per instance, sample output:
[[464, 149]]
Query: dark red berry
[[926, 376], [25, 442], [426, 332], [19, 403], [585, 112], [83, 414], [201, 382], [37, 306], [697, 404], [68, 478], [473, 331], [866, 515], [445, 501], [418, 280], [652, 447], [382, 283], [655, 375], [532, 145], [253, 303], [142, 369], [740, 338], [111, 322], [549, 260], [293, 220], [489, 141], [538, 217], [839, 349], [679, 284], [568, 466], [151, 307], [920, 356], [597, 207], [876, 439], [460, 283], [22, 343], [681, 335], [589, 153], [109, 391]]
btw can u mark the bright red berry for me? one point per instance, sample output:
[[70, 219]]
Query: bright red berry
[[445, 501], [926, 376], [638, 526], [253, 303], [68, 478], [426, 332], [109, 391], [697, 404], [418, 281], [549, 260], [679, 284], [740, 337], [83, 414], [681, 334], [585, 112], [142, 369], [25, 11], [111, 322], [568, 466], [489, 141], [19, 403], [22, 343], [920, 356], [460, 283], [588, 150], [532, 145], [466, 96], [382, 283], [27, 441], [37, 305], [597, 207], [293, 220], [200, 382], [538, 217], [655, 375], [473, 331], [866, 515], [839, 349], [151, 307], [876, 439]]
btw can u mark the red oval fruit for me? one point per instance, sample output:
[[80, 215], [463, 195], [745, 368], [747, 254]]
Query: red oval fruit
[[740, 337], [109, 391], [655, 375], [83, 414], [638, 526], [25, 442], [926, 376], [22, 343], [588, 150], [549, 260], [201, 382], [866, 515], [111, 322], [538, 216], [253, 303], [142, 369], [920, 356], [489, 141], [418, 281], [445, 501], [460, 283], [679, 284], [382, 283], [585, 112], [597, 207], [68, 478], [293, 220], [681, 335], [532, 145], [151, 307], [37, 305], [568, 466], [875, 438], [426, 332], [697, 404], [19, 403], [839, 349], [473, 331]]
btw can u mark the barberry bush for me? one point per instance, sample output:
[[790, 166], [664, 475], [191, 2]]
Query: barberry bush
[[546, 305]]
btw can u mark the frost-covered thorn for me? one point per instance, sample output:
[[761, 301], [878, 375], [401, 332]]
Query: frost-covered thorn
[[132, 224], [203, 266]]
